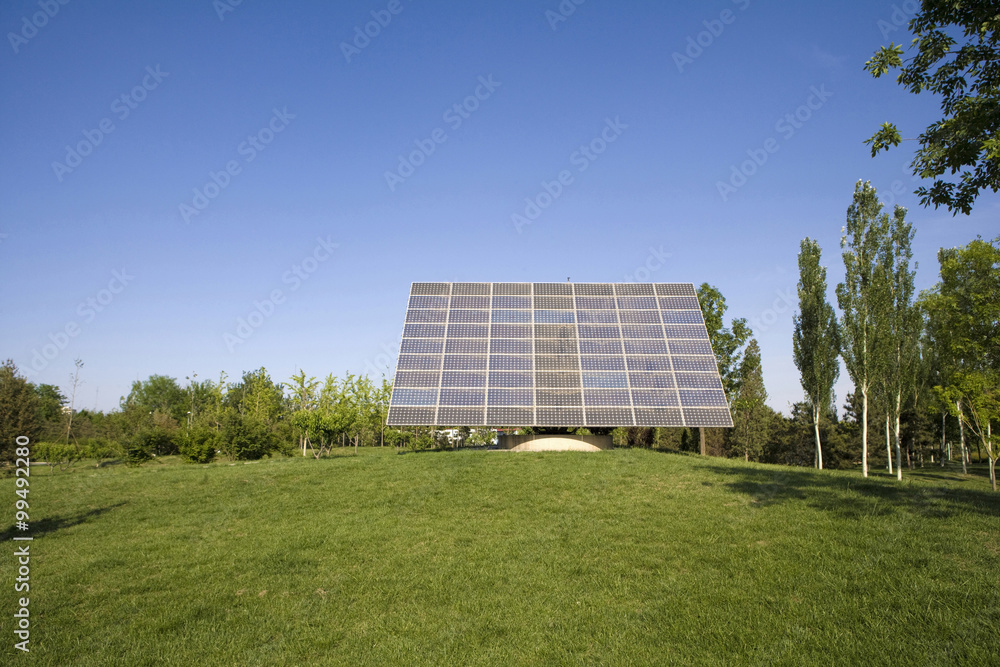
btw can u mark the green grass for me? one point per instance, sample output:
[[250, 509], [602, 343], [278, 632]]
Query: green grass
[[622, 557]]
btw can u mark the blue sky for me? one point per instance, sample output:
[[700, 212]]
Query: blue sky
[[170, 169]]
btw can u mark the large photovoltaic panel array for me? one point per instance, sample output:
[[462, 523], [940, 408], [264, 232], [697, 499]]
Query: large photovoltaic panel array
[[556, 354]]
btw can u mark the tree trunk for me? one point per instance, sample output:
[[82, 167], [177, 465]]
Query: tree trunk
[[888, 446], [943, 415], [961, 434], [990, 452], [899, 451], [701, 440], [864, 429], [819, 448]]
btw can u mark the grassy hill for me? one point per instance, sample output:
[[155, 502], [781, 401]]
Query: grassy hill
[[622, 557]]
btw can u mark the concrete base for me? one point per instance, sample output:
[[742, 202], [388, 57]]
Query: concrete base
[[555, 443]]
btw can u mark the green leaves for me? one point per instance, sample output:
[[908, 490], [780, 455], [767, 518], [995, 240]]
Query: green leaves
[[726, 343], [962, 146], [885, 138], [816, 339], [886, 58]]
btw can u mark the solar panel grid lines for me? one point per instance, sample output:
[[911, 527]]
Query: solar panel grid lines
[[556, 354]]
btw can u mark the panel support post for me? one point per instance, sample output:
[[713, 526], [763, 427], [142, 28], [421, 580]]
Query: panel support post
[[701, 441]]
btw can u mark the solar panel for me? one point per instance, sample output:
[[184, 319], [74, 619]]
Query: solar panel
[[556, 354]]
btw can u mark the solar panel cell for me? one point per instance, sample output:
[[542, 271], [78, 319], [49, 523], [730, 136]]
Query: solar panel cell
[[419, 362], [470, 302], [555, 397], [510, 416], [512, 302], [557, 362], [430, 288], [510, 346], [510, 362], [601, 397], [603, 363], [421, 346], [469, 316], [609, 417], [593, 289], [658, 417], [449, 416], [511, 379], [511, 331], [463, 397], [464, 362], [652, 398], [651, 380], [511, 397], [466, 346], [554, 302], [428, 302]]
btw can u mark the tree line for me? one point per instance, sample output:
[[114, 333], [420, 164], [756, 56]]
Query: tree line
[[246, 419], [925, 367]]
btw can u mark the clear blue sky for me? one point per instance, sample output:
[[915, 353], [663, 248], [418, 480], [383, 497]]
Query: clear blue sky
[[94, 183]]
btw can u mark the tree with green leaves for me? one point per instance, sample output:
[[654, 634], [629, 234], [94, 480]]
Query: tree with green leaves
[[751, 416], [964, 314], [861, 297], [816, 339], [19, 407], [954, 54], [727, 343], [159, 393], [899, 321], [303, 403]]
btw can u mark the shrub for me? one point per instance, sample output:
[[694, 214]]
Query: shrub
[[102, 448], [200, 445], [244, 438], [56, 453]]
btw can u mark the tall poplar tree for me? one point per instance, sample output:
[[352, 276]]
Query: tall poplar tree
[[816, 340], [861, 296], [897, 348]]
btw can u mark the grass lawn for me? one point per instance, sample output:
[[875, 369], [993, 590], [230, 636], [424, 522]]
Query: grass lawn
[[465, 558]]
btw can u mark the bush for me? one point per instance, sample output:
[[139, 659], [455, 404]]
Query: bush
[[200, 445], [56, 453], [102, 448], [246, 439], [148, 443]]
